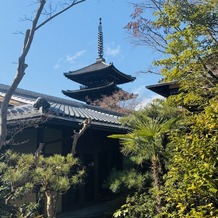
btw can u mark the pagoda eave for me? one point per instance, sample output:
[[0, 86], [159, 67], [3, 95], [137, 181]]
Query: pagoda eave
[[91, 93], [98, 71]]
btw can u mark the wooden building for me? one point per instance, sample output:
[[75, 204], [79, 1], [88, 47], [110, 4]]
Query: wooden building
[[165, 89], [53, 120]]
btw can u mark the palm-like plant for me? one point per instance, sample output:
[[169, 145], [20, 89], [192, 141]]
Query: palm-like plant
[[145, 142]]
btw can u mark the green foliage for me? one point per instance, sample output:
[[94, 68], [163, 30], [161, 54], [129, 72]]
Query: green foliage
[[190, 184], [145, 147], [15, 174], [192, 61], [130, 179], [139, 205], [146, 138], [23, 174], [193, 191], [55, 173], [157, 109], [192, 50], [186, 32]]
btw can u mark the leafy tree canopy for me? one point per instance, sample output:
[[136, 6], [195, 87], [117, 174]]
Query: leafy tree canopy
[[23, 174], [186, 32]]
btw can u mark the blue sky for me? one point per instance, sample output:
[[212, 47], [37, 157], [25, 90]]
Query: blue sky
[[69, 42]]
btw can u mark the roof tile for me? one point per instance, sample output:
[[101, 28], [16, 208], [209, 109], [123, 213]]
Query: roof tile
[[61, 108]]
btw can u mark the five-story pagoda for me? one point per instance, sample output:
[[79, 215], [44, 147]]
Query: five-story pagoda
[[98, 79]]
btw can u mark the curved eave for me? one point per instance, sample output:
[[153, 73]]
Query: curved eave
[[96, 70], [64, 115], [165, 89], [97, 92], [128, 78]]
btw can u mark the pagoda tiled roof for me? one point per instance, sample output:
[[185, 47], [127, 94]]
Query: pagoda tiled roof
[[93, 93], [98, 71], [64, 110]]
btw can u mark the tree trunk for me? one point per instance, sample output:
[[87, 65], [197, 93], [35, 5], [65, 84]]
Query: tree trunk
[[30, 33], [76, 135], [3, 124], [5, 103], [51, 203], [19, 74], [156, 171]]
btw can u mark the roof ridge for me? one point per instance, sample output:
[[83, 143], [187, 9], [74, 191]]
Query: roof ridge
[[88, 66], [31, 94]]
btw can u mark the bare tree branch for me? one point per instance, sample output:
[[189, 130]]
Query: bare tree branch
[[75, 2], [20, 125], [29, 35], [39, 150], [77, 135]]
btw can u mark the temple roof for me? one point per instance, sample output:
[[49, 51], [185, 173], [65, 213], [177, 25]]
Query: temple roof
[[99, 71], [91, 93], [62, 110], [165, 89]]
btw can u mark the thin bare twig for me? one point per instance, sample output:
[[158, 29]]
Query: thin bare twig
[[58, 13]]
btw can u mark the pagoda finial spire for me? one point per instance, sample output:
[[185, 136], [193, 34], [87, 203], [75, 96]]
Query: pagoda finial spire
[[100, 42]]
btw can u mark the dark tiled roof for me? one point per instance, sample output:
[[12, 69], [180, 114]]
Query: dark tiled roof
[[93, 93], [65, 110], [98, 70], [164, 89], [91, 68]]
